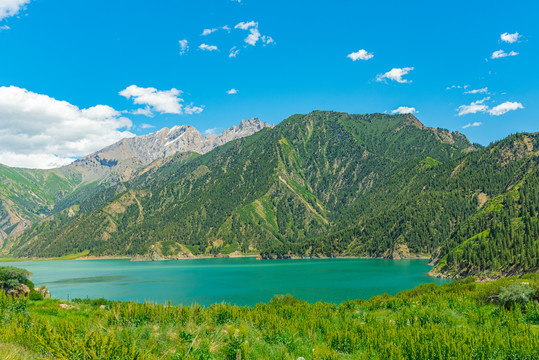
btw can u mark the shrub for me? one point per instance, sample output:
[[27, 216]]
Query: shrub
[[11, 277], [516, 293], [35, 295]]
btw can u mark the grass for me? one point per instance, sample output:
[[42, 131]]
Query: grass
[[15, 352], [452, 321], [66, 257]]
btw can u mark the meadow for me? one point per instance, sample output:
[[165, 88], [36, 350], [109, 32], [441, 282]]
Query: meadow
[[464, 319]]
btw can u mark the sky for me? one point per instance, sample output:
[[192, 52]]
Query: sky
[[76, 76]]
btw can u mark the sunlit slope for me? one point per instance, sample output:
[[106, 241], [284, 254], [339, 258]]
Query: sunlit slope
[[279, 188]]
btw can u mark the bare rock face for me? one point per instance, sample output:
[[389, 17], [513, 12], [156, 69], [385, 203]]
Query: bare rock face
[[44, 291], [120, 160]]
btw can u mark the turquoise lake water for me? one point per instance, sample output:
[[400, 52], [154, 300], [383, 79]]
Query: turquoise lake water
[[241, 281]]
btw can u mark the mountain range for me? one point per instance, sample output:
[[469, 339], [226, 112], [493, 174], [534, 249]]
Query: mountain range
[[323, 184], [30, 195]]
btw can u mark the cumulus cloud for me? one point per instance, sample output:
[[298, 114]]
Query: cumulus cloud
[[246, 25], [361, 54], [478, 123], [232, 91], [474, 107], [254, 34], [10, 8], [505, 107], [165, 102], [142, 111], [208, 31], [184, 46], [233, 52], [207, 47], [404, 110], [38, 131], [501, 54], [253, 37], [395, 74], [510, 38], [477, 91], [479, 106]]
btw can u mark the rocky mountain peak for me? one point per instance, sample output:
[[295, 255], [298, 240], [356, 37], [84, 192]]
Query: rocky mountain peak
[[128, 154]]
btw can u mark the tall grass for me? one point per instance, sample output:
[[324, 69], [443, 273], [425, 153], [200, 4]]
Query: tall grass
[[452, 321]]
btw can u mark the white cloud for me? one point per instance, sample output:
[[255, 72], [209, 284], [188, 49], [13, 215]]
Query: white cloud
[[165, 102], [4, 27], [474, 107], [207, 47], [233, 52], [253, 37], [10, 8], [505, 107], [254, 34], [510, 38], [267, 40], [501, 54], [212, 131], [147, 126], [477, 91], [39, 131], [184, 46], [395, 74], [478, 123], [232, 91], [142, 111], [404, 110], [457, 87], [246, 25], [208, 31], [479, 106], [361, 54]]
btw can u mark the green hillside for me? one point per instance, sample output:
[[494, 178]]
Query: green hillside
[[318, 185], [280, 186]]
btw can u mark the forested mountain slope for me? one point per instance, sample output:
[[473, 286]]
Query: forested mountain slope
[[321, 184], [29, 195], [281, 186]]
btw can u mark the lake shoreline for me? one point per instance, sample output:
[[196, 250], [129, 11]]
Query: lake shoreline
[[195, 257]]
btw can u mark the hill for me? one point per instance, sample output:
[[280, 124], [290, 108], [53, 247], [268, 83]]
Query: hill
[[323, 184], [28, 196]]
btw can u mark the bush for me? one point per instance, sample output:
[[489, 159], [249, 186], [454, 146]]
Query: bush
[[516, 293], [11, 277], [35, 295]]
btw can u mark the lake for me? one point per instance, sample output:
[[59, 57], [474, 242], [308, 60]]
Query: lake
[[241, 281]]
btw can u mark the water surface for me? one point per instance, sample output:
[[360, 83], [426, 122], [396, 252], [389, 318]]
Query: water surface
[[241, 281]]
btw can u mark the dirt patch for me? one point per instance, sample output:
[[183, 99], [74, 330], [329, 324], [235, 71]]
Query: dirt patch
[[482, 198]]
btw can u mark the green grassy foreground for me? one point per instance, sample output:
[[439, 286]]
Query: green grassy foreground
[[460, 320]]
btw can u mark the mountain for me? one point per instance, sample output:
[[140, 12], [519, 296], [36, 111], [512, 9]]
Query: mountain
[[278, 187], [119, 161], [30, 195], [323, 184]]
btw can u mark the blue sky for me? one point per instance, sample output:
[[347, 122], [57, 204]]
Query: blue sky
[[87, 53]]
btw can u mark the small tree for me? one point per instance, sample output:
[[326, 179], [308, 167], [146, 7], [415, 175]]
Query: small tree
[[12, 277], [516, 293]]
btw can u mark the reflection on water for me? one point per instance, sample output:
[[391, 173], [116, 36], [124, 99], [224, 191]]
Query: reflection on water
[[94, 279]]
